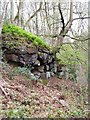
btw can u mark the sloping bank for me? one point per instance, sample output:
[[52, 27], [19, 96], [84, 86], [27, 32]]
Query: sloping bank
[[25, 49]]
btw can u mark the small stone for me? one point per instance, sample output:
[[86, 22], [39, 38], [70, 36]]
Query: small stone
[[11, 57], [43, 75], [37, 63], [48, 74], [41, 69], [31, 50]]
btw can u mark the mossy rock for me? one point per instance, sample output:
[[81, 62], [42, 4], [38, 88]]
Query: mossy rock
[[16, 36]]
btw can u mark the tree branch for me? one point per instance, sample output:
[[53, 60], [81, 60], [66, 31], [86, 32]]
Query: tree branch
[[78, 39], [3, 91], [34, 13], [81, 18], [47, 15], [69, 23], [17, 15], [62, 18], [54, 36]]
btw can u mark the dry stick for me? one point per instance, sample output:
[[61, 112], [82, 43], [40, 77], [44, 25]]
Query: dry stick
[[14, 87], [3, 91], [18, 88]]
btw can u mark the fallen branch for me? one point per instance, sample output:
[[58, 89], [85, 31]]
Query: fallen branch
[[18, 88], [2, 89]]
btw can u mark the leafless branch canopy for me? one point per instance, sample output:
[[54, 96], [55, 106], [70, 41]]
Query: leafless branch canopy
[[40, 6]]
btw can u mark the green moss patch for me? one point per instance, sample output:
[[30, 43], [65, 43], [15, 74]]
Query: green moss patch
[[17, 31]]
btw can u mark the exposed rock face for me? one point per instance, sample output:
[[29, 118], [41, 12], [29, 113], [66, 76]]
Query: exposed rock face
[[40, 60], [24, 49]]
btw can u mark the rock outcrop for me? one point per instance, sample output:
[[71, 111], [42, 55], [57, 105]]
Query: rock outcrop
[[28, 50]]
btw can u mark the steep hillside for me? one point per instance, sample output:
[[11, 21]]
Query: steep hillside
[[29, 86], [21, 96]]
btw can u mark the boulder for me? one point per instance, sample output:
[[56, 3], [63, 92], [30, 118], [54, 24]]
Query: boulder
[[43, 75], [41, 69]]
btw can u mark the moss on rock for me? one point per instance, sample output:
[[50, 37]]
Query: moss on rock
[[16, 33]]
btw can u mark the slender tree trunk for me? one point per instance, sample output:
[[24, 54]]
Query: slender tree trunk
[[11, 11], [36, 20]]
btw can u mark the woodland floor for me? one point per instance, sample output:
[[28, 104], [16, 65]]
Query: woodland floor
[[22, 97]]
